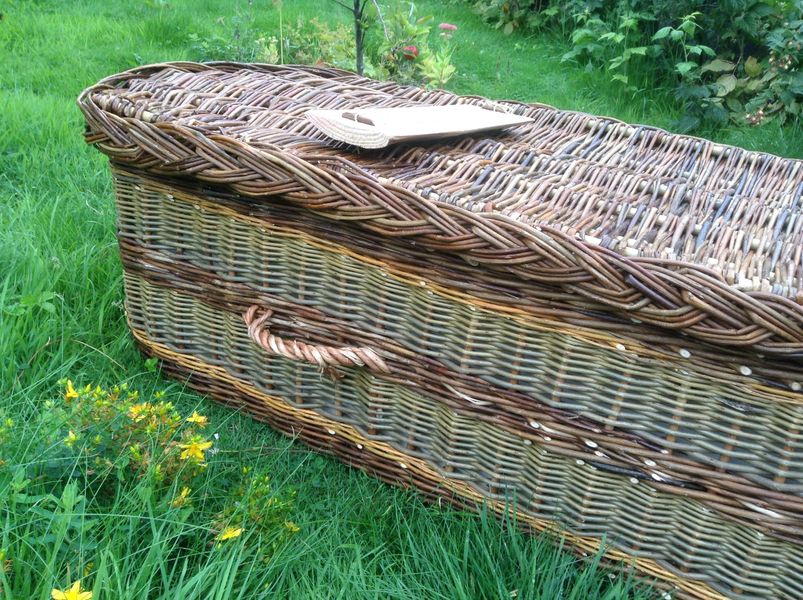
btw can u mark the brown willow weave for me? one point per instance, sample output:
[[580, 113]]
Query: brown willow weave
[[598, 322]]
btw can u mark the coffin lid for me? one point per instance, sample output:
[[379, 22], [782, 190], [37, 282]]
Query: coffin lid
[[670, 230]]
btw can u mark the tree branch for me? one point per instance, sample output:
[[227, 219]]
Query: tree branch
[[344, 5], [381, 19]]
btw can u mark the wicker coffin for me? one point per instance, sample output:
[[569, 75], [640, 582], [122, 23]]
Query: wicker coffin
[[598, 324]]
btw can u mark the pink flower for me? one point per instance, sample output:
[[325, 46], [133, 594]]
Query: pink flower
[[410, 52], [447, 27]]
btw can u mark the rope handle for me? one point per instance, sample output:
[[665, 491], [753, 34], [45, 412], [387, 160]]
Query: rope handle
[[325, 357]]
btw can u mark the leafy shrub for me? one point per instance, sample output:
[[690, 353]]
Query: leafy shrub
[[241, 42], [316, 42], [514, 15], [407, 51], [734, 60], [108, 437], [254, 504], [102, 473], [401, 45], [404, 43]]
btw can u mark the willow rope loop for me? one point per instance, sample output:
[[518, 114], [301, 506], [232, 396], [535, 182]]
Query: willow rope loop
[[325, 357]]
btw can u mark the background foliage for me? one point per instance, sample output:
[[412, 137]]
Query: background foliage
[[737, 60]]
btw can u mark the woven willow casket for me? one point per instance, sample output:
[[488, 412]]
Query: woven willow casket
[[598, 324]]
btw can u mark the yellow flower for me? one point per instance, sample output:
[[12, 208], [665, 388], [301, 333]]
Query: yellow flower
[[70, 393], [197, 419], [139, 411], [70, 439], [74, 593], [292, 527], [229, 533], [195, 449], [181, 499]]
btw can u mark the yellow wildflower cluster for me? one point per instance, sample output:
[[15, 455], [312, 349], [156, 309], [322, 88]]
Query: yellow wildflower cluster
[[195, 450], [105, 424], [199, 420], [73, 593], [229, 533], [291, 527], [182, 499], [257, 507]]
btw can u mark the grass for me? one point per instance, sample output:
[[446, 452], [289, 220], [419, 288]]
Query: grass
[[61, 316]]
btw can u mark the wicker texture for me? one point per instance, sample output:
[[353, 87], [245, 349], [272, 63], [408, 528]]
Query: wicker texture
[[613, 381], [714, 232], [711, 449]]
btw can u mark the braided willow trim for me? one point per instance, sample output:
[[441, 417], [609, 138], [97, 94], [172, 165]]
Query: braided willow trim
[[177, 136]]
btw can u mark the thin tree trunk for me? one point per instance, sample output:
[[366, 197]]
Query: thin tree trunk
[[359, 36]]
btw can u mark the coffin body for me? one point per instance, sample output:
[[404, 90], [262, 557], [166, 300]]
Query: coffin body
[[472, 352]]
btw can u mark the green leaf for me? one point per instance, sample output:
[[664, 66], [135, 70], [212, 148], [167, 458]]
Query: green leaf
[[616, 62], [752, 67], [15, 310], [726, 84], [688, 25], [676, 35], [508, 28], [796, 83], [754, 85], [620, 77], [687, 123], [582, 35], [734, 105], [716, 114], [662, 33], [685, 67], [718, 65]]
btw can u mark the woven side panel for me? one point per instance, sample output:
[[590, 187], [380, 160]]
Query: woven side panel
[[567, 433], [734, 424], [676, 533]]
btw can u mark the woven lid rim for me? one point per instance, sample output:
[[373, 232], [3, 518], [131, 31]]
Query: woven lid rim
[[683, 296]]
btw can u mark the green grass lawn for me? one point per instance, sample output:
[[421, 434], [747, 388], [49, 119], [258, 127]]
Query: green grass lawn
[[61, 317]]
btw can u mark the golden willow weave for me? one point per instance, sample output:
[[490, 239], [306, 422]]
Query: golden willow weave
[[596, 323]]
